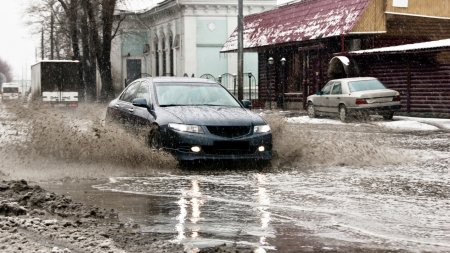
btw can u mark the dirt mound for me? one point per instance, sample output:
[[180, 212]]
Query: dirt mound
[[36, 198]]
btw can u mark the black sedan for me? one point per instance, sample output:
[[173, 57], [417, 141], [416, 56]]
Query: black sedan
[[194, 119]]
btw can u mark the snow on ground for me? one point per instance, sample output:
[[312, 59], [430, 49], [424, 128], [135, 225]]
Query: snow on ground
[[441, 123], [407, 125], [308, 120], [400, 123]]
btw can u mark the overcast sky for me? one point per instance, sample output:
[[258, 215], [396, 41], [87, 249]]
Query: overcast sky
[[17, 45]]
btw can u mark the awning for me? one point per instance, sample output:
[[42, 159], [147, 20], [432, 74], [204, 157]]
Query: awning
[[423, 46], [300, 21]]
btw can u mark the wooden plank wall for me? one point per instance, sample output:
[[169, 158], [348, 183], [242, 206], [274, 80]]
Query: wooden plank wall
[[424, 85], [435, 8]]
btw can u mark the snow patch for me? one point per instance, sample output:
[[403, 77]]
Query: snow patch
[[308, 120], [408, 125]]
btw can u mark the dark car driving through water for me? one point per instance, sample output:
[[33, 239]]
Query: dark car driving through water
[[193, 119]]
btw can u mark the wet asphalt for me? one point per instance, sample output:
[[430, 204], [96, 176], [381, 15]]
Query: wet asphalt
[[330, 188]]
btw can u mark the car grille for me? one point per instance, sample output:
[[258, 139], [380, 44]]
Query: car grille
[[229, 131]]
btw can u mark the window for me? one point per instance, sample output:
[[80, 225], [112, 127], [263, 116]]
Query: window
[[130, 93], [326, 90], [400, 3], [143, 92], [164, 57], [182, 94], [171, 56], [156, 57], [337, 90], [372, 84]]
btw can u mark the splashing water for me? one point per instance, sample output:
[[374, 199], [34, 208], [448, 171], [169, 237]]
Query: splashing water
[[80, 136], [300, 146]]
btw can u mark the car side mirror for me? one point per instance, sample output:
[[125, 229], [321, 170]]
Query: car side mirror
[[247, 104], [140, 102], [319, 93]]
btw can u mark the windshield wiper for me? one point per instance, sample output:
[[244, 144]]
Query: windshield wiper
[[170, 105]]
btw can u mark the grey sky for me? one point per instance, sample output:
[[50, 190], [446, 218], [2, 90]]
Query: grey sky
[[17, 45]]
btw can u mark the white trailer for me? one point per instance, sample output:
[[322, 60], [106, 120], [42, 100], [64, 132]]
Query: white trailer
[[56, 82]]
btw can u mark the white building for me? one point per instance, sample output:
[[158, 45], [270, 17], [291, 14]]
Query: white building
[[178, 37]]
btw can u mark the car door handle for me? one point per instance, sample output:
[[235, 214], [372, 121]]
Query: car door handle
[[338, 98], [131, 110]]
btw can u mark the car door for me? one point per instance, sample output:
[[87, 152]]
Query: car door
[[320, 102], [125, 106], [335, 98], [141, 116]]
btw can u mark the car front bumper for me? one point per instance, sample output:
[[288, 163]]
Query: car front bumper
[[215, 147]]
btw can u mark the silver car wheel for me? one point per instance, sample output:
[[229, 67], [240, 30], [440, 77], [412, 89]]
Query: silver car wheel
[[343, 113], [311, 111]]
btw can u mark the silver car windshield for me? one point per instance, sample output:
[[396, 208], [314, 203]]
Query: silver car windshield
[[188, 94], [363, 85]]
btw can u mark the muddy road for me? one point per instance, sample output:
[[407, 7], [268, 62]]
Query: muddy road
[[357, 187]]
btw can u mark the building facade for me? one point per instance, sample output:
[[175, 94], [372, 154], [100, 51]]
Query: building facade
[[179, 38], [318, 38]]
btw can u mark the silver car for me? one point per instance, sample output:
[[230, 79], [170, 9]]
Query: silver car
[[354, 96]]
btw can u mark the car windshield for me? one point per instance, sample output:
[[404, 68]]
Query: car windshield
[[372, 84], [184, 94]]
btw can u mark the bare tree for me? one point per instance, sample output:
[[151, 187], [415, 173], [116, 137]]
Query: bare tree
[[102, 32], [5, 69], [47, 19], [89, 25]]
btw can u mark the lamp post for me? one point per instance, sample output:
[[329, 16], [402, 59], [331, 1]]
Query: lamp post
[[283, 64], [240, 49], [250, 86], [235, 76], [269, 64]]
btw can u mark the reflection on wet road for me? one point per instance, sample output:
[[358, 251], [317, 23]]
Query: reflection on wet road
[[331, 188], [380, 208]]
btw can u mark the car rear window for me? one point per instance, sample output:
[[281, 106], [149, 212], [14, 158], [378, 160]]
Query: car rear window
[[10, 90], [363, 85]]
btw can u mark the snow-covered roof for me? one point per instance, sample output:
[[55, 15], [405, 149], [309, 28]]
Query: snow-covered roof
[[437, 44], [136, 6], [299, 21]]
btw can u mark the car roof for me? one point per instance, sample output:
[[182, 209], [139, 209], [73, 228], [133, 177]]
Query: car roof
[[177, 79], [354, 79]]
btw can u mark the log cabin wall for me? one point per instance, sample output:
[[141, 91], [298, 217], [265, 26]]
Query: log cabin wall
[[432, 8], [423, 82]]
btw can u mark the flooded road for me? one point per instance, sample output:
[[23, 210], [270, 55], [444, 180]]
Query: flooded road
[[331, 188]]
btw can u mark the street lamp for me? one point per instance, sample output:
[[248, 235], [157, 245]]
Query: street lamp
[[250, 86], [270, 63], [283, 63]]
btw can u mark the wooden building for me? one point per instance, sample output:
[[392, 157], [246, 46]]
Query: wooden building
[[312, 41]]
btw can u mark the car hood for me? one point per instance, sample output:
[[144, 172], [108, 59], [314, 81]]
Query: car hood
[[214, 115]]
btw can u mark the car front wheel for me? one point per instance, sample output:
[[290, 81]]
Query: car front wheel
[[343, 115], [154, 139], [311, 110]]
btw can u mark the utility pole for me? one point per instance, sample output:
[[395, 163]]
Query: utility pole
[[240, 49]]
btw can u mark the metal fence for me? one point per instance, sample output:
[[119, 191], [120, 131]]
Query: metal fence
[[229, 81]]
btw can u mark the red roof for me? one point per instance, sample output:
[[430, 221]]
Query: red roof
[[300, 21]]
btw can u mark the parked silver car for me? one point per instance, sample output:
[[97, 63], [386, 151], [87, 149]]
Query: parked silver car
[[354, 96]]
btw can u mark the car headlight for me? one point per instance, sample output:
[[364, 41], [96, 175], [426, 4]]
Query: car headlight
[[186, 128], [261, 129]]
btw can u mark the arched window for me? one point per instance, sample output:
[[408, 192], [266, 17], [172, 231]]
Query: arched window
[[164, 56], [171, 56], [155, 45]]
